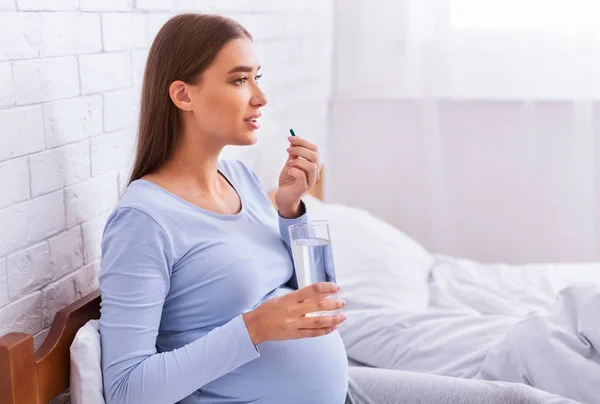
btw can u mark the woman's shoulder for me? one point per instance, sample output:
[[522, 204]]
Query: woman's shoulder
[[143, 195], [141, 200]]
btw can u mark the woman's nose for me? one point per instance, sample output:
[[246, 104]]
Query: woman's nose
[[259, 99]]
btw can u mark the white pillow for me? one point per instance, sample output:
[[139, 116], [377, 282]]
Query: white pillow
[[86, 371], [377, 266]]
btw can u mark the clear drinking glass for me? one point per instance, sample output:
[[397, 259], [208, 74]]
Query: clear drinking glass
[[313, 257]]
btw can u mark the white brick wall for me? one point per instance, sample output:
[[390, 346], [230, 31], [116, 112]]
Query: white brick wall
[[91, 198], [35, 79], [59, 167], [19, 35], [3, 283], [92, 236], [14, 175], [68, 289], [106, 5], [104, 72], [22, 131], [45, 5], [138, 62], [71, 120], [114, 25], [112, 151], [28, 270], [121, 108], [7, 95], [69, 34], [156, 5], [66, 252], [7, 5], [70, 76], [29, 222], [24, 314]]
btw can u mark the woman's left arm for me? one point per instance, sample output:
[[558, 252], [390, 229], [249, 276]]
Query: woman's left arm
[[298, 176], [300, 173]]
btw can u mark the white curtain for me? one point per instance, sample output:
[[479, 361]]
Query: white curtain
[[473, 125]]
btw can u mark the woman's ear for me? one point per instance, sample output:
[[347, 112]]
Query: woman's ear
[[179, 93]]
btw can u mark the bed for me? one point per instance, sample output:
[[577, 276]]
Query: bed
[[407, 309], [411, 310]]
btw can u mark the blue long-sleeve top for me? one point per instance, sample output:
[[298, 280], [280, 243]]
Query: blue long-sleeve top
[[175, 280]]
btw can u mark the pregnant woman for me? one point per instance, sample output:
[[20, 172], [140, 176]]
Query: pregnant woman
[[199, 303]]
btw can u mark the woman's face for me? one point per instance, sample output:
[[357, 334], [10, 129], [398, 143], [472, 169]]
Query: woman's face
[[227, 100]]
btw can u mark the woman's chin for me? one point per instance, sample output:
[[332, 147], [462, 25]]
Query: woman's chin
[[249, 138], [243, 137]]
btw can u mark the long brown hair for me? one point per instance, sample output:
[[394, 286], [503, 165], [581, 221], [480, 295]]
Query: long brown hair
[[183, 48]]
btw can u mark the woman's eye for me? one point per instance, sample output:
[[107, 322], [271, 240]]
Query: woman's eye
[[242, 80]]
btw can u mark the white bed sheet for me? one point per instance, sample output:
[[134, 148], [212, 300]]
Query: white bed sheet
[[411, 310], [501, 289], [471, 308]]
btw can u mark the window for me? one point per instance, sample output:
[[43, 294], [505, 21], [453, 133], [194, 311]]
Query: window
[[526, 15]]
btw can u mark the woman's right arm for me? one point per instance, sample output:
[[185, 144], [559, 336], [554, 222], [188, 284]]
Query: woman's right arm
[[137, 257]]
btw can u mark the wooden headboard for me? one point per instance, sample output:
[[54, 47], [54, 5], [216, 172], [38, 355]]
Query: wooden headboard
[[28, 376]]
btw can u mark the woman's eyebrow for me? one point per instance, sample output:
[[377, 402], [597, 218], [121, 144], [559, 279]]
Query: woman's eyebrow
[[242, 69]]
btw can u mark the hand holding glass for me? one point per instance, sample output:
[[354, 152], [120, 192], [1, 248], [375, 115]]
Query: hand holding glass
[[313, 257]]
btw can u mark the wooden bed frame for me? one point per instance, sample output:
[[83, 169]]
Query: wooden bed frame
[[28, 376]]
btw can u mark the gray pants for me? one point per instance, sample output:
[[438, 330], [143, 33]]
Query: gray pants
[[384, 386]]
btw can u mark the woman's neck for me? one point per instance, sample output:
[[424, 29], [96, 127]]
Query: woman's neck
[[194, 165]]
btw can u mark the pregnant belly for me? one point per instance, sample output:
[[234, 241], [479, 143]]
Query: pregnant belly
[[310, 370]]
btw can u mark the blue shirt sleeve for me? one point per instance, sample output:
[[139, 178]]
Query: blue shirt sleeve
[[137, 258], [285, 235], [285, 223]]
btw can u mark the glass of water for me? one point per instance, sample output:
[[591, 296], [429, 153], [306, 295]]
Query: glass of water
[[313, 257]]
